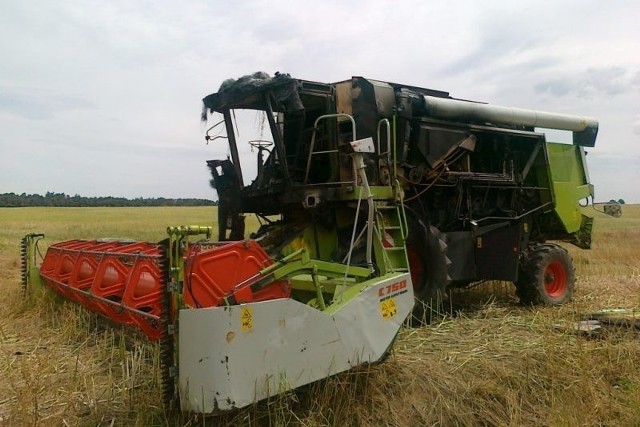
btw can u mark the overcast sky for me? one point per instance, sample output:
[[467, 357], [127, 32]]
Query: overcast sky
[[104, 98]]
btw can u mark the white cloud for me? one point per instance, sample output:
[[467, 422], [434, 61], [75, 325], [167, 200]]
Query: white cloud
[[122, 81], [38, 104]]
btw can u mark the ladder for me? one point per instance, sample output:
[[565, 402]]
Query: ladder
[[391, 233]]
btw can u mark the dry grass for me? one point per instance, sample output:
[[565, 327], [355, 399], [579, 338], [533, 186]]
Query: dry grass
[[489, 361]]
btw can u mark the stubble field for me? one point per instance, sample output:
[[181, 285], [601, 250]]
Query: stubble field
[[486, 361]]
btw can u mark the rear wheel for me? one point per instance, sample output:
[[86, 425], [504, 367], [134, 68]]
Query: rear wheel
[[547, 276]]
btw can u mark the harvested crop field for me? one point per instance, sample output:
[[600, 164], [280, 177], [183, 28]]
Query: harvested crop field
[[486, 360]]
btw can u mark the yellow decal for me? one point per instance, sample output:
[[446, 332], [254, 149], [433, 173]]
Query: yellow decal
[[246, 319], [479, 242], [388, 308]]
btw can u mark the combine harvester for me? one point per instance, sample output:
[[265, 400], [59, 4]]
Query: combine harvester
[[371, 195]]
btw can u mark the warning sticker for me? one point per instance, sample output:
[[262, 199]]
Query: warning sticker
[[246, 319], [388, 308]]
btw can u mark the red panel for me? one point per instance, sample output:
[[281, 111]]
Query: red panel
[[120, 280], [124, 281], [228, 270]]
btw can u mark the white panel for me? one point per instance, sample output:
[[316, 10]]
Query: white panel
[[233, 356]]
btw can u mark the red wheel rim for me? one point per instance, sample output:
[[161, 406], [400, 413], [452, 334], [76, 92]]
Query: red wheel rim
[[555, 279], [416, 266]]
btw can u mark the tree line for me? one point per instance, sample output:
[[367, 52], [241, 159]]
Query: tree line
[[65, 200]]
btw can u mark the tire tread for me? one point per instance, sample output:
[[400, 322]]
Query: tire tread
[[530, 285]]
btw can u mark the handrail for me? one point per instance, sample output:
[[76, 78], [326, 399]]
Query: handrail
[[313, 138]]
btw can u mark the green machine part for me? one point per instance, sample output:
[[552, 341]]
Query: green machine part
[[570, 180], [32, 285]]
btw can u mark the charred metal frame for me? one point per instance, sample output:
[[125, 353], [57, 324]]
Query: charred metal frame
[[519, 183]]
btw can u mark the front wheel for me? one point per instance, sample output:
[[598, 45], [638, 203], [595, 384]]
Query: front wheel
[[428, 264], [547, 275]]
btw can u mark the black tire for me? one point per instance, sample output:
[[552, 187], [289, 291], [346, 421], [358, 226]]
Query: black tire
[[428, 264], [547, 276]]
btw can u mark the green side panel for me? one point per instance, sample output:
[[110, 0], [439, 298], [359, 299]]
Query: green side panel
[[322, 240], [382, 192], [36, 285], [32, 284], [570, 183]]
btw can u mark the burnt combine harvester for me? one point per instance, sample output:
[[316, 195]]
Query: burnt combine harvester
[[371, 195]]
